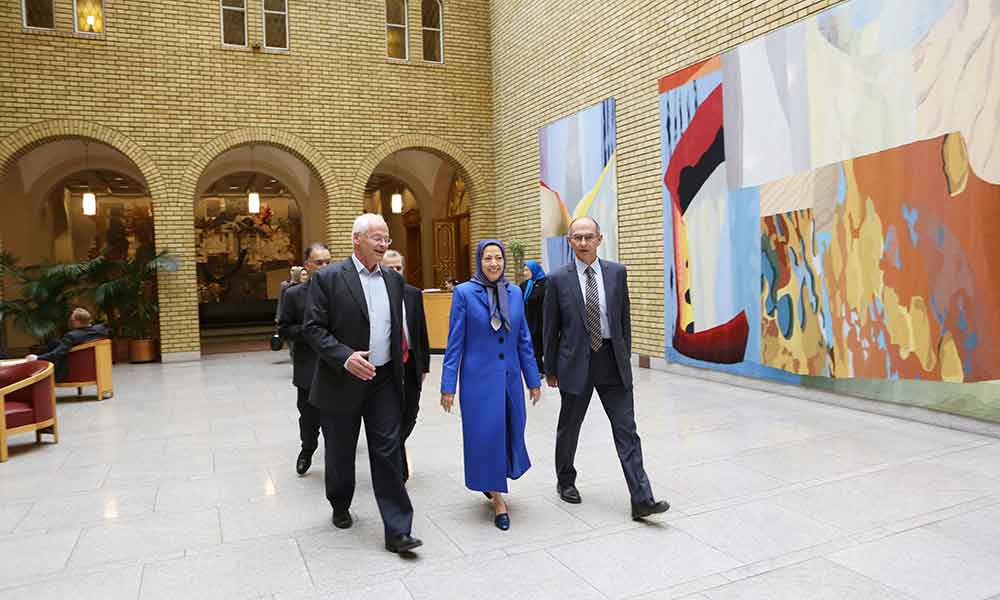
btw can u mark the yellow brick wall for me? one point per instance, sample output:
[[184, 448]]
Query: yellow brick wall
[[158, 86], [551, 58]]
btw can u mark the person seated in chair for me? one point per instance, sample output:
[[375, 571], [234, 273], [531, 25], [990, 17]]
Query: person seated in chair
[[81, 331]]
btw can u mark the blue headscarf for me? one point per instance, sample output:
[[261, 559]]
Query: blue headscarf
[[498, 301], [537, 274]]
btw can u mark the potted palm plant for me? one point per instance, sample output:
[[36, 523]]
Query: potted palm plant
[[516, 248], [129, 294], [47, 293]]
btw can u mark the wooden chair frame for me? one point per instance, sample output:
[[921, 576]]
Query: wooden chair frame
[[102, 355], [46, 426]]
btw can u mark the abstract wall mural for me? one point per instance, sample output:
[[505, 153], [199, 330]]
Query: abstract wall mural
[[832, 204], [577, 178]]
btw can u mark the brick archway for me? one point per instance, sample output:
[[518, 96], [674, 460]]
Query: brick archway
[[262, 136], [26, 139], [481, 216]]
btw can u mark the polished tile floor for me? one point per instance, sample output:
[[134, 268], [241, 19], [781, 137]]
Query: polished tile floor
[[183, 486]]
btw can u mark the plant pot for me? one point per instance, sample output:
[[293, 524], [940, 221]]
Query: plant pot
[[141, 351], [120, 350]]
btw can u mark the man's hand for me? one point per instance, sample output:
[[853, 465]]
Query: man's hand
[[447, 400], [536, 395], [357, 364], [423, 377], [552, 380]]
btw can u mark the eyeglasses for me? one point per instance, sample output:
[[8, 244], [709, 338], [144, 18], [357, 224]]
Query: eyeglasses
[[377, 239], [397, 268], [580, 238]]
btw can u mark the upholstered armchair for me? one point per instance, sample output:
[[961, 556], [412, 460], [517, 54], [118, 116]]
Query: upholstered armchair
[[89, 364], [28, 401]]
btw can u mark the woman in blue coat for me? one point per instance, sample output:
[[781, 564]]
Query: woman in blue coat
[[489, 349]]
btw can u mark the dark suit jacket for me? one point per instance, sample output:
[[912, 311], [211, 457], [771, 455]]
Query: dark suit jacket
[[534, 313], [336, 325], [416, 323], [74, 337], [290, 320], [566, 337]]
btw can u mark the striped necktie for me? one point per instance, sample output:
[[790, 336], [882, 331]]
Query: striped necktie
[[593, 310]]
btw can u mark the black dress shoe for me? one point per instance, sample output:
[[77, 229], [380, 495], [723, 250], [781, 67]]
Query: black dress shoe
[[502, 521], [649, 507], [570, 494], [342, 519], [403, 542], [304, 461], [488, 495]]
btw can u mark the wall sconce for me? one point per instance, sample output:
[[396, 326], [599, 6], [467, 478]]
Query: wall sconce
[[90, 23], [89, 204], [397, 203]]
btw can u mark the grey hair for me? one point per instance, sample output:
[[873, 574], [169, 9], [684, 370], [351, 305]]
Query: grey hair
[[296, 274], [366, 221], [394, 254], [313, 247], [591, 219]]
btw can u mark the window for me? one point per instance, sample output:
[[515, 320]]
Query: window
[[276, 24], [89, 16], [430, 16], [395, 29], [38, 14], [234, 22]]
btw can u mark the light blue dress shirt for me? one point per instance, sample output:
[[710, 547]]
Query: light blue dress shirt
[[379, 315]]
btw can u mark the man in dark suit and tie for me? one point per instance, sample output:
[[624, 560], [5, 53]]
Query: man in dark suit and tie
[[588, 344], [417, 360], [354, 323], [290, 319]]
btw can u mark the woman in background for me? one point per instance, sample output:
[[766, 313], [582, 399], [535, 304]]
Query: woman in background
[[533, 287]]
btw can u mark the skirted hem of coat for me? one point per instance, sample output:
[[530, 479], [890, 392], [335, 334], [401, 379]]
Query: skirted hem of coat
[[490, 365]]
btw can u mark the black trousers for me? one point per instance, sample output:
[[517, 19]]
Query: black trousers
[[381, 412], [308, 421], [411, 406], [620, 408]]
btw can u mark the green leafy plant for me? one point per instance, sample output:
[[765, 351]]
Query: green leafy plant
[[47, 292], [516, 248], [127, 296]]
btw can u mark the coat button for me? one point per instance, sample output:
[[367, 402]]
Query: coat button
[[501, 356], [501, 340]]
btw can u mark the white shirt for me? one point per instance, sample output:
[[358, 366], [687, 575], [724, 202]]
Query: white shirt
[[379, 315], [581, 267]]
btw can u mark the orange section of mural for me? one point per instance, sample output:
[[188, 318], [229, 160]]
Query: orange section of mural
[[896, 285]]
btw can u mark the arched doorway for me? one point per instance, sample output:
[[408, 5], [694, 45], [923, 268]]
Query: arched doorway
[[258, 206], [430, 221], [47, 220]]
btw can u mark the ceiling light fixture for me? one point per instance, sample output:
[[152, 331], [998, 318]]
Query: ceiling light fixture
[[253, 198], [89, 198]]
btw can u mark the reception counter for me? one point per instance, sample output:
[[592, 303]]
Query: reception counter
[[437, 307]]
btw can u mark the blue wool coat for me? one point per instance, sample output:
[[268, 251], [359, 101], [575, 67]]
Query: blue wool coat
[[490, 365]]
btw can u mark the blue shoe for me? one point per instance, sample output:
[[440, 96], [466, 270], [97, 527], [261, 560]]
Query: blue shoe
[[502, 521]]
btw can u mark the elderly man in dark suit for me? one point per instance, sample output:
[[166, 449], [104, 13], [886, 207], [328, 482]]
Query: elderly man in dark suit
[[81, 331], [290, 319], [354, 323], [588, 344], [417, 358]]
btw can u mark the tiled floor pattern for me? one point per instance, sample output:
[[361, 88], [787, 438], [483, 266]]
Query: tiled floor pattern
[[183, 486]]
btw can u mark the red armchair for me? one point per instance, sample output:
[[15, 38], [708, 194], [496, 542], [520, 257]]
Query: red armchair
[[90, 364], [28, 401]]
